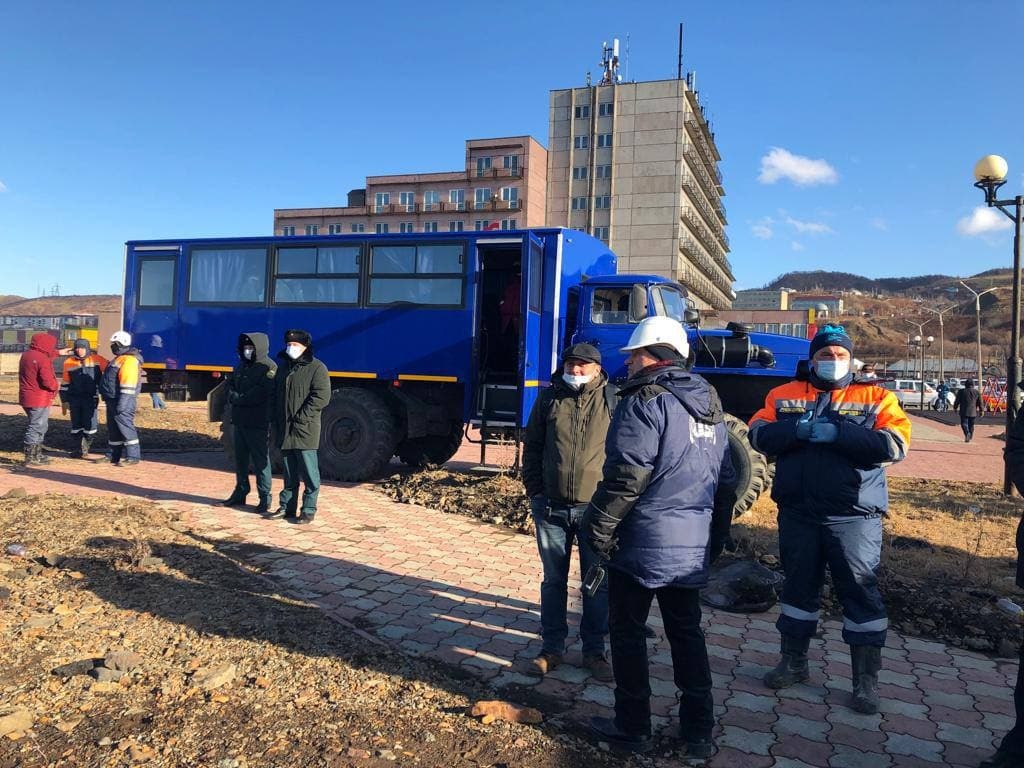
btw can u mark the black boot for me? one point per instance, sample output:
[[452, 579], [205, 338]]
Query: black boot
[[30, 454], [264, 506], [792, 667], [38, 456], [866, 660], [236, 499]]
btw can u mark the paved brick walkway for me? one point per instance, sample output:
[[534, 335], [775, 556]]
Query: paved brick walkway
[[466, 593]]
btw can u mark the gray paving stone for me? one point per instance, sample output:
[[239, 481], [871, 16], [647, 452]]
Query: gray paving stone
[[848, 757], [843, 716], [897, 707], [599, 694], [987, 689], [903, 744], [980, 738], [753, 742], [813, 730], [416, 649], [754, 644], [815, 694], [395, 631], [720, 682], [997, 723], [665, 688], [895, 654], [968, 660], [767, 626], [753, 702], [897, 678], [756, 671], [570, 674], [916, 644], [722, 652], [788, 762], [945, 671], [508, 677], [726, 629], [838, 684], [951, 700]]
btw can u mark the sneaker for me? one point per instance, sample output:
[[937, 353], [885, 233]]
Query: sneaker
[[544, 663], [263, 508], [279, 512], [303, 520], [129, 462], [234, 500], [606, 730], [599, 668]]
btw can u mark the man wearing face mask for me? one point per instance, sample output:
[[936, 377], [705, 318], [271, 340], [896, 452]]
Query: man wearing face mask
[[250, 394], [563, 451], [79, 392], [119, 388], [832, 437], [302, 389]]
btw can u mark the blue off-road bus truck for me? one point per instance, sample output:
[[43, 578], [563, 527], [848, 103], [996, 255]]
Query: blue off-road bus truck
[[425, 334]]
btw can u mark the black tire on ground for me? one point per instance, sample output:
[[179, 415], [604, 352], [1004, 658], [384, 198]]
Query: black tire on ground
[[751, 467], [432, 450], [227, 440], [358, 436]]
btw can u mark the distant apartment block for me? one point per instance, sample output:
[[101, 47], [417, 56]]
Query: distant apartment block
[[761, 300], [788, 322], [635, 164], [826, 305], [502, 186]]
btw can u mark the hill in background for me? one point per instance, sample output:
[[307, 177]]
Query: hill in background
[[61, 305]]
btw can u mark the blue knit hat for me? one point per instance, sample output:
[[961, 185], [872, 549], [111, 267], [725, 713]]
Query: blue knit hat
[[831, 336]]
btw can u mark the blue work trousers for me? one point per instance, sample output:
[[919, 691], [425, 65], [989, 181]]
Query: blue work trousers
[[38, 423], [122, 437], [82, 411], [557, 528], [851, 547]]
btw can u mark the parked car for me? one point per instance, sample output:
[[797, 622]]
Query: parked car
[[908, 391]]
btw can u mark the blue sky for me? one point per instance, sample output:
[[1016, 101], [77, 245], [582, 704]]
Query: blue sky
[[848, 130]]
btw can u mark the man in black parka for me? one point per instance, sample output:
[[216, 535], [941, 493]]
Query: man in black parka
[[250, 393]]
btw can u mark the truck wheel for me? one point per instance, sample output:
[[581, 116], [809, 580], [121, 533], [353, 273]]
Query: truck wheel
[[227, 441], [431, 450], [751, 467], [358, 436]]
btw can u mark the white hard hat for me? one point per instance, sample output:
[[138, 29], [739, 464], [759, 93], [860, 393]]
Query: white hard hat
[[659, 330], [123, 338]]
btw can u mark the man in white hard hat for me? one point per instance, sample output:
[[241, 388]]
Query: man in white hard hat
[[119, 388], [660, 516]]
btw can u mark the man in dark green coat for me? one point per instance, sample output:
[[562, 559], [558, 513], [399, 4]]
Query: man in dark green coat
[[302, 388], [250, 393]]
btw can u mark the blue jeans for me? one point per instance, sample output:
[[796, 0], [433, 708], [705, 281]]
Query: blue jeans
[[556, 530]]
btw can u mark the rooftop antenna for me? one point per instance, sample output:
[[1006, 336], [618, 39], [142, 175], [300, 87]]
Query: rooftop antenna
[[679, 68], [610, 63], [626, 68]]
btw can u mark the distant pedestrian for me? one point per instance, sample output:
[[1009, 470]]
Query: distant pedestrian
[[251, 395], [154, 394], [37, 384], [302, 389], [969, 405], [79, 392], [119, 388], [563, 452], [832, 435], [942, 399], [867, 371], [1010, 753], [660, 516]]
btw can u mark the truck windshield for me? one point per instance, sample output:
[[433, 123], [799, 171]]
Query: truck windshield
[[668, 302]]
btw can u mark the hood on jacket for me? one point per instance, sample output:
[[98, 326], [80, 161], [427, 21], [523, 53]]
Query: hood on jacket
[[693, 392], [259, 341], [83, 344], [45, 343]]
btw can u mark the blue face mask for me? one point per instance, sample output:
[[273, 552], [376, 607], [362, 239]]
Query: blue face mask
[[831, 370]]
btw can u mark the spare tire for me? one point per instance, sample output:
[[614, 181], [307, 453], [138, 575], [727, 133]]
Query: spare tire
[[358, 435], [751, 467], [431, 450]]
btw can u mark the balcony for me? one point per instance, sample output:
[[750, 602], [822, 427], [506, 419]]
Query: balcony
[[703, 234], [397, 209], [494, 173], [719, 277], [710, 217]]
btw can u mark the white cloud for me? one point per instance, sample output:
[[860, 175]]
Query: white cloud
[[780, 163], [880, 224], [797, 246], [809, 227], [3, 187], [763, 228], [983, 221]]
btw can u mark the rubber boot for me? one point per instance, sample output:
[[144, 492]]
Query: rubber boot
[[866, 660], [792, 667], [86, 446], [30, 455], [38, 457]]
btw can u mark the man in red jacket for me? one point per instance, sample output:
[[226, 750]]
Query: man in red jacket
[[37, 385]]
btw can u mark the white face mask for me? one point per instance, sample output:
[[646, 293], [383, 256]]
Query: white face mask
[[831, 370], [294, 351], [576, 381], [247, 353]]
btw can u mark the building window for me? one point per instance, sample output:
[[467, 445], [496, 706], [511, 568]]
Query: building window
[[334, 229], [579, 203], [381, 229], [508, 224], [579, 172], [358, 227], [603, 201], [481, 224], [381, 199], [456, 226], [408, 199], [601, 233], [510, 195], [483, 166], [431, 199], [604, 140], [510, 162], [312, 229], [581, 142], [610, 306], [430, 226], [582, 110], [419, 274], [288, 231], [604, 110], [603, 172], [156, 282], [457, 197], [227, 276], [405, 227], [317, 275], [481, 197]]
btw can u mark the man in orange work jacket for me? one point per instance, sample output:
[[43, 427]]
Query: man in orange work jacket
[[831, 435], [119, 388], [79, 392]]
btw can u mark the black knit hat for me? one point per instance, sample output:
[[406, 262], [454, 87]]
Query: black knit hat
[[831, 336], [295, 334], [586, 352]]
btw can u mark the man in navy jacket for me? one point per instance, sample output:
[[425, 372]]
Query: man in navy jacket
[[661, 515]]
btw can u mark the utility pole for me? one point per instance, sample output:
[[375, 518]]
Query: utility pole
[[921, 343], [942, 337], [977, 316]]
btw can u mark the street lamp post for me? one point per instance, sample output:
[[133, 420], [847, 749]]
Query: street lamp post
[[990, 175], [977, 315], [942, 337], [922, 344]]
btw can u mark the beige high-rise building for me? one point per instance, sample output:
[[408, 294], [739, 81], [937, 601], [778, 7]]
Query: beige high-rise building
[[635, 164]]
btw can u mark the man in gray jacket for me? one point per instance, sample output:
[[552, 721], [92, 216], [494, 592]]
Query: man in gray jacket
[[302, 389]]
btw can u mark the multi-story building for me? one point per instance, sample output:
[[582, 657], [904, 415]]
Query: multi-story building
[[501, 187], [825, 304], [757, 299], [635, 164]]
